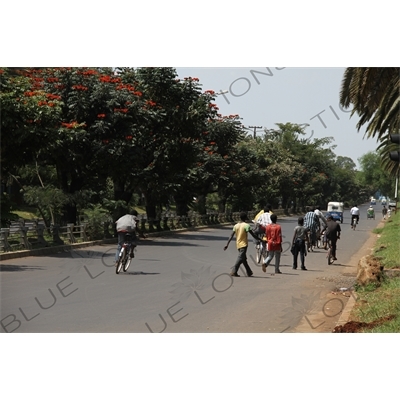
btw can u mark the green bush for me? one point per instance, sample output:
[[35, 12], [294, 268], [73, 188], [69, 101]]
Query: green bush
[[95, 218]]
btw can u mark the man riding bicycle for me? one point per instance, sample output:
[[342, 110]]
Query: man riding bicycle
[[127, 224], [311, 222], [355, 213], [332, 234], [322, 221]]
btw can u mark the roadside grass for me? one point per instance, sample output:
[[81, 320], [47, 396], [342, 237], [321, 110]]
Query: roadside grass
[[379, 303], [387, 248], [27, 213], [383, 302]]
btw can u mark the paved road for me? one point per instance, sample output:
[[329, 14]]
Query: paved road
[[177, 283]]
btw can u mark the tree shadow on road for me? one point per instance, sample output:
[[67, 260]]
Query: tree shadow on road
[[9, 268]]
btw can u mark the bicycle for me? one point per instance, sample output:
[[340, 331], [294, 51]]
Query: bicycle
[[126, 254], [311, 243], [320, 239], [261, 250], [353, 222]]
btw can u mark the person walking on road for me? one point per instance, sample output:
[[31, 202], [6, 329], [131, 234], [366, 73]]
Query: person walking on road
[[300, 238], [311, 222], [384, 212], [241, 229], [273, 233], [333, 234]]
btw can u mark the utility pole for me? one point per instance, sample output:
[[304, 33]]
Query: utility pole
[[255, 130]]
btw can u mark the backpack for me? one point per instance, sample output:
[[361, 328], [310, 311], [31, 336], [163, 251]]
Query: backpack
[[127, 223]]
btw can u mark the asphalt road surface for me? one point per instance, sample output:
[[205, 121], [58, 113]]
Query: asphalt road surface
[[176, 283]]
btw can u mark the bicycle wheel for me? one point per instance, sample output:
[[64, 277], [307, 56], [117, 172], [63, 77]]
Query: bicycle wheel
[[127, 262], [329, 256], [259, 251], [121, 261], [319, 241]]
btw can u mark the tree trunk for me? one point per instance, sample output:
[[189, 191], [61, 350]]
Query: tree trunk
[[222, 200], [201, 204], [181, 205], [121, 194]]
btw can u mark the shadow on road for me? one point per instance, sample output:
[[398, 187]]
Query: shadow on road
[[9, 268], [140, 273]]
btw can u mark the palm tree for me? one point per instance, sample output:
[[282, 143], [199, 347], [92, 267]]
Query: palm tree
[[374, 94]]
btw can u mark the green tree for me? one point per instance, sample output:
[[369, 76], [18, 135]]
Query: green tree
[[374, 94], [373, 176]]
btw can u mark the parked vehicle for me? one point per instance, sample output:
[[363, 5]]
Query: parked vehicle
[[373, 202], [335, 209]]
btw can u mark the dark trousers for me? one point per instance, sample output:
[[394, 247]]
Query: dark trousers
[[299, 248], [121, 240], [242, 259], [333, 245]]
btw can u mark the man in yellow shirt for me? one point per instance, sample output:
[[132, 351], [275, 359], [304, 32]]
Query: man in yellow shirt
[[241, 229]]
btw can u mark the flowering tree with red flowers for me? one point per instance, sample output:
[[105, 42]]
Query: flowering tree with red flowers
[[174, 140]]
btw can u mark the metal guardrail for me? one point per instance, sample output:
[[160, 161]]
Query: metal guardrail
[[28, 235]]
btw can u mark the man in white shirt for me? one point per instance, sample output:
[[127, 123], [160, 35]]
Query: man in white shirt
[[127, 224], [355, 212], [322, 219]]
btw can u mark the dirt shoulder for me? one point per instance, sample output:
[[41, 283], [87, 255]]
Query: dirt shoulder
[[334, 308]]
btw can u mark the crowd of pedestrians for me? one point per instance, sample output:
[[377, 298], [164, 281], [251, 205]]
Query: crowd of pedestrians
[[267, 231]]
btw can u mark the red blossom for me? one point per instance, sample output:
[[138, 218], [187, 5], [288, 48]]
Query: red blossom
[[79, 87], [101, 115], [105, 78], [89, 72], [151, 103], [70, 125], [53, 96]]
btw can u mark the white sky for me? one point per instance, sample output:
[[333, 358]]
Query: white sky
[[288, 95]]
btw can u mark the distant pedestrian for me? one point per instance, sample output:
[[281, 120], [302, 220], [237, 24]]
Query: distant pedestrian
[[300, 238], [311, 222], [384, 212], [273, 233], [241, 229]]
